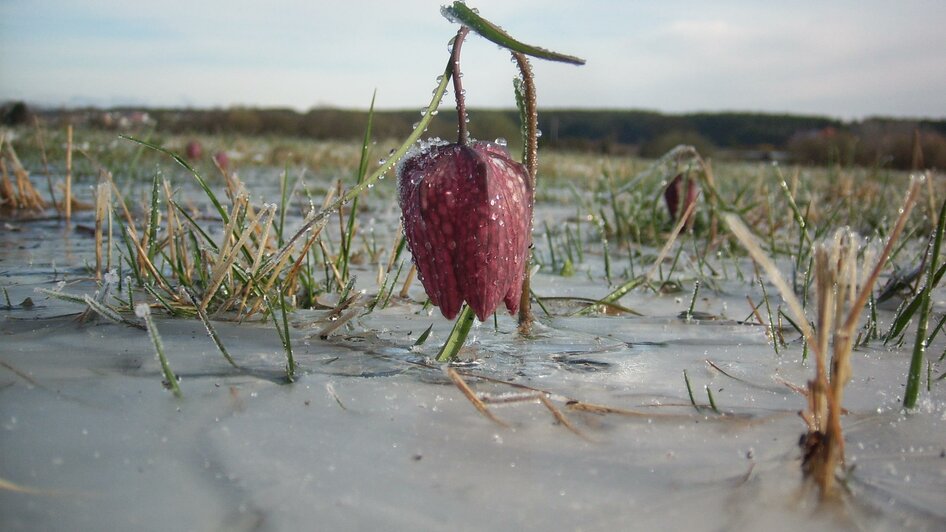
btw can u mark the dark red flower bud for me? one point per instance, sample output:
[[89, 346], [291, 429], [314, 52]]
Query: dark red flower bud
[[194, 150], [675, 192], [468, 221], [222, 160]]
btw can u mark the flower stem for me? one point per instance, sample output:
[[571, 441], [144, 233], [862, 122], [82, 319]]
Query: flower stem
[[531, 156], [462, 134]]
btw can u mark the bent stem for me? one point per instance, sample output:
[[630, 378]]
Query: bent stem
[[458, 92], [525, 98]]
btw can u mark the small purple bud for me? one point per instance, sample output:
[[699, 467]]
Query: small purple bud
[[222, 160], [194, 150], [468, 221], [673, 193]]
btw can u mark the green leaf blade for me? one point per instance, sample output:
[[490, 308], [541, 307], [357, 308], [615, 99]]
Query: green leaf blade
[[461, 14]]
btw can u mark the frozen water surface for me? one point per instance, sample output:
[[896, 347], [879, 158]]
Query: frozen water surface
[[372, 436]]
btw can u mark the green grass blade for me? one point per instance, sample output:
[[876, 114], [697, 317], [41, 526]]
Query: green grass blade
[[912, 391], [712, 402], [200, 180], [461, 328], [62, 296], [143, 311], [290, 360], [282, 329], [210, 242], [202, 314], [616, 294], [424, 335], [318, 220], [109, 313], [283, 203], [153, 219], [686, 380]]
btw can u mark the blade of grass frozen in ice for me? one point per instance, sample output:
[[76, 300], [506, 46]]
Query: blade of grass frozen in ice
[[906, 312], [686, 380], [200, 180], [62, 296], [109, 313], [696, 291], [538, 301], [423, 336], [143, 311], [397, 276], [712, 402], [282, 329], [912, 391], [211, 330], [461, 328], [773, 331], [755, 250], [162, 301], [629, 285], [615, 295]]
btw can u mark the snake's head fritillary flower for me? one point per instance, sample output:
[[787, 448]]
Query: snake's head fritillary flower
[[467, 211], [222, 160], [679, 195], [194, 150]]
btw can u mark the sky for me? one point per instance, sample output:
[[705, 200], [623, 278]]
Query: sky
[[845, 59]]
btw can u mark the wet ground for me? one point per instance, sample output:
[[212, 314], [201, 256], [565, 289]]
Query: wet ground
[[375, 436]]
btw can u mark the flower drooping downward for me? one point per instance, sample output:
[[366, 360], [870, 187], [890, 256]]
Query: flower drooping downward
[[467, 212], [679, 195]]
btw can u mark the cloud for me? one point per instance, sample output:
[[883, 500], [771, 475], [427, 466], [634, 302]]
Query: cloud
[[845, 58]]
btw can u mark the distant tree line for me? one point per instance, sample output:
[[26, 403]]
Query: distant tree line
[[799, 138]]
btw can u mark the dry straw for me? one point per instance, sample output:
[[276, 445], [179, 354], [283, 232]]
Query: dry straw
[[842, 293]]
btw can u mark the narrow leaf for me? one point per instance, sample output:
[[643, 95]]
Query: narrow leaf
[[461, 14]]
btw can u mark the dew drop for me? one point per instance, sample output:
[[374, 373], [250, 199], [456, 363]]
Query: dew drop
[[500, 141]]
